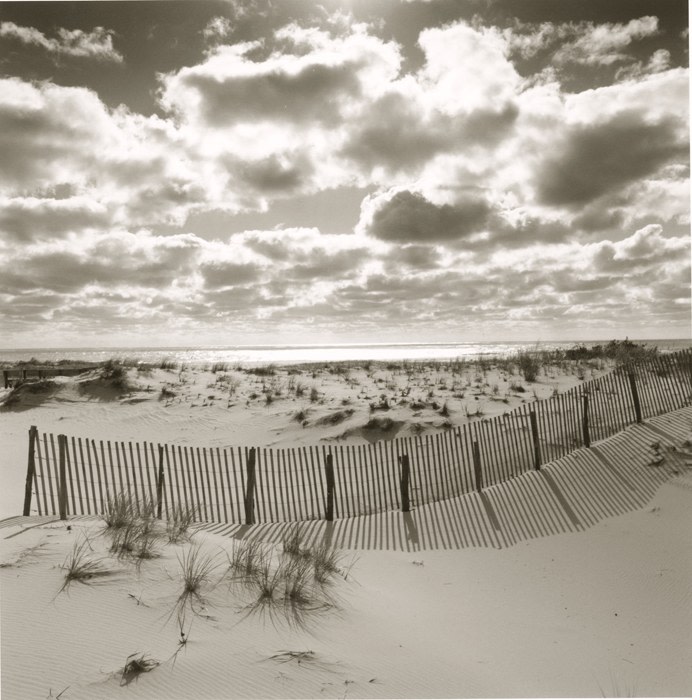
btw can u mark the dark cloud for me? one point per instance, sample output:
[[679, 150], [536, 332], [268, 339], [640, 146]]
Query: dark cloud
[[273, 175], [408, 217], [319, 263], [107, 262], [313, 93], [26, 220], [415, 257], [601, 158], [228, 274], [395, 135]]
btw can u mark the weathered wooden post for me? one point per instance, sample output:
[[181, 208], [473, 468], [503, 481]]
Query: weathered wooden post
[[477, 471], [405, 480], [30, 470], [159, 485], [250, 488], [6, 378], [635, 396], [536, 443], [585, 421], [329, 473], [62, 484]]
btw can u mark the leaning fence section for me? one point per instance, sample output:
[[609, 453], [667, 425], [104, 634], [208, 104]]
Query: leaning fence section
[[78, 476]]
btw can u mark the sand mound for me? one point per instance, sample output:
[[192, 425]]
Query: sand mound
[[28, 395]]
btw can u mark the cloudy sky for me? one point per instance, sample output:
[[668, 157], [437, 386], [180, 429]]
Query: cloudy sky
[[287, 171]]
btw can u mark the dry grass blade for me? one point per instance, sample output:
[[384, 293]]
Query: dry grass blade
[[135, 665], [79, 566]]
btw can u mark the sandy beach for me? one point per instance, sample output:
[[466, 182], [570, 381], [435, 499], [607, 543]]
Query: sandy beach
[[581, 588]]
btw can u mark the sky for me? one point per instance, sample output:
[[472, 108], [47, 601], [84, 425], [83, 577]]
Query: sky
[[286, 171]]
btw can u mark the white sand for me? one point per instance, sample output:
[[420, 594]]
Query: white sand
[[572, 582]]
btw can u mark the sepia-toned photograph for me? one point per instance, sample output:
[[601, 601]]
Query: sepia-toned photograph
[[346, 349]]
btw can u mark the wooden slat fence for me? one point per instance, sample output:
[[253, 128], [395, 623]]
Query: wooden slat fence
[[306, 483]]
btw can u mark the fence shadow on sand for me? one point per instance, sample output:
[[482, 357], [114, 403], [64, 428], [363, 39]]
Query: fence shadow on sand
[[614, 477]]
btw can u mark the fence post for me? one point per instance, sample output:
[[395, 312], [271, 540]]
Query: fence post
[[250, 489], [6, 378], [477, 471], [30, 470], [159, 485], [585, 421], [536, 443], [635, 396], [62, 483], [405, 479], [329, 472]]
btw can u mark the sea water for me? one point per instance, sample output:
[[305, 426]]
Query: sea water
[[253, 355]]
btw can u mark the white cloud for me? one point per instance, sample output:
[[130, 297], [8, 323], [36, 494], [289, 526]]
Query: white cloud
[[604, 44], [96, 44]]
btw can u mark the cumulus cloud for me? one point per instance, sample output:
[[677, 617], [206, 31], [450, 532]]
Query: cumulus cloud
[[313, 80], [508, 200], [409, 217], [580, 43], [96, 44], [599, 158]]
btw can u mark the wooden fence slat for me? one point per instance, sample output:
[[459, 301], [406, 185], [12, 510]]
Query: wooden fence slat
[[71, 479], [62, 477], [42, 469], [329, 476], [30, 472]]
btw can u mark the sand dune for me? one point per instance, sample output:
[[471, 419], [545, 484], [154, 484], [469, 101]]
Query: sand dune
[[571, 581]]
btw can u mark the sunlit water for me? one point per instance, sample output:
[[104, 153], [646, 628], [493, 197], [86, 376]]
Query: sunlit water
[[249, 355]]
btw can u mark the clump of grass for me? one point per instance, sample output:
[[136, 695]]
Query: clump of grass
[[314, 395], [246, 559], [336, 417], [166, 393], [326, 561], [267, 371], [301, 416], [119, 511], [114, 373], [383, 424], [79, 566], [529, 365], [293, 544], [137, 540], [135, 665], [178, 523], [197, 569]]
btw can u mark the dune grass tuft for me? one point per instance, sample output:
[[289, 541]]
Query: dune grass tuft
[[80, 566], [197, 569], [180, 519], [135, 665]]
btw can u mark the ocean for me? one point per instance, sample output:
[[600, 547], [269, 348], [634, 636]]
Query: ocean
[[254, 355]]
